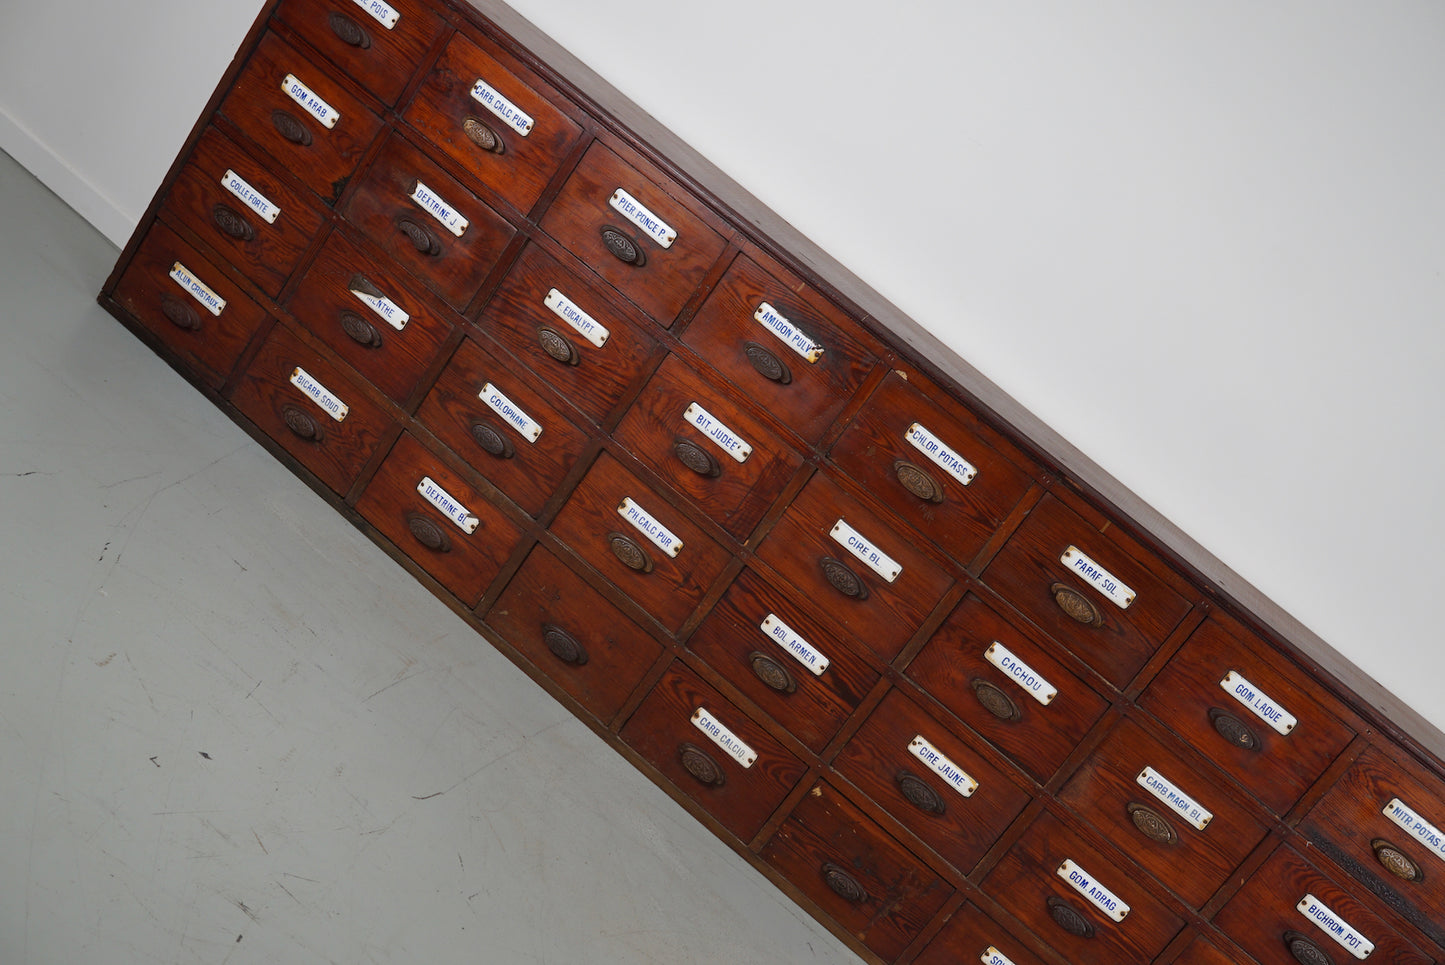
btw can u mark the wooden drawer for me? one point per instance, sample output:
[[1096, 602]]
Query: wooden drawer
[[573, 635], [229, 198], [776, 666], [1115, 640], [1149, 800], [936, 783], [376, 52], [658, 279], [487, 411], [395, 206], [494, 122], [322, 157], [1272, 912], [693, 435], [433, 515], [372, 315], [334, 450], [604, 522], [802, 358], [1190, 697], [972, 936], [668, 730], [804, 549], [868, 882], [207, 324], [540, 312], [1384, 822], [1201, 952], [937, 466], [1030, 883], [1007, 686]]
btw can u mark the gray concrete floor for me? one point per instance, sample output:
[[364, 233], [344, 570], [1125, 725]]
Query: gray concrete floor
[[232, 730]]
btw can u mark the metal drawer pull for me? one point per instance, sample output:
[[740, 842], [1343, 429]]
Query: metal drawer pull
[[348, 31], [428, 533], [772, 673], [360, 331], [360, 283], [558, 346], [917, 481], [917, 793], [1075, 605], [842, 884], [483, 136], [628, 553], [1396, 861], [301, 424], [563, 645], [420, 237], [696, 458], [1069, 918], [1305, 951], [179, 314], [493, 442], [700, 765], [768, 365], [843, 579], [1151, 824], [994, 700], [622, 247], [231, 223], [1233, 730], [290, 127]]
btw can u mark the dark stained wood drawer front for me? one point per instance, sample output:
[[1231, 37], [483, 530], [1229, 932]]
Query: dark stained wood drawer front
[[189, 304], [1290, 913], [740, 781], [372, 315], [1037, 881], [1201, 952], [261, 224], [771, 648], [1226, 692], [972, 936], [1032, 574], [856, 872], [937, 467], [1007, 686], [413, 210], [508, 429], [493, 122], [267, 104], [934, 782], [572, 332], [802, 358], [625, 529], [1150, 799], [294, 394], [573, 635], [814, 547], [362, 38], [433, 515], [657, 264], [702, 441], [1384, 822]]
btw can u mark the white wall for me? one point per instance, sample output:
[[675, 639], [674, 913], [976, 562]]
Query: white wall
[[1203, 241]]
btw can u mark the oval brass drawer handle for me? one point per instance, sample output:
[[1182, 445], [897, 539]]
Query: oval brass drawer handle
[[483, 136], [1151, 824], [563, 645], [231, 223], [421, 237], [1304, 951], [1069, 918], [348, 31], [772, 673], [917, 793], [301, 424], [696, 458], [842, 578], [1075, 605], [179, 314], [628, 553], [1396, 861], [291, 127], [700, 765], [359, 330], [558, 346], [428, 533], [1233, 730], [842, 884], [768, 365], [995, 701], [493, 443], [918, 481], [622, 247]]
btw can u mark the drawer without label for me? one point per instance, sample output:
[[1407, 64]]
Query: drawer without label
[[379, 44]]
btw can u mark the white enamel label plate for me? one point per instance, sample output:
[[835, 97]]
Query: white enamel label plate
[[1179, 802], [449, 506], [1279, 719], [942, 456], [724, 738], [390, 311], [584, 324], [957, 777], [309, 102], [723, 437], [490, 98], [1098, 577], [250, 197], [638, 213], [870, 555], [788, 333], [511, 413], [182, 276], [658, 534], [798, 648], [1343, 933], [384, 14], [1416, 826], [449, 217], [1088, 886], [319, 394], [1021, 673]]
